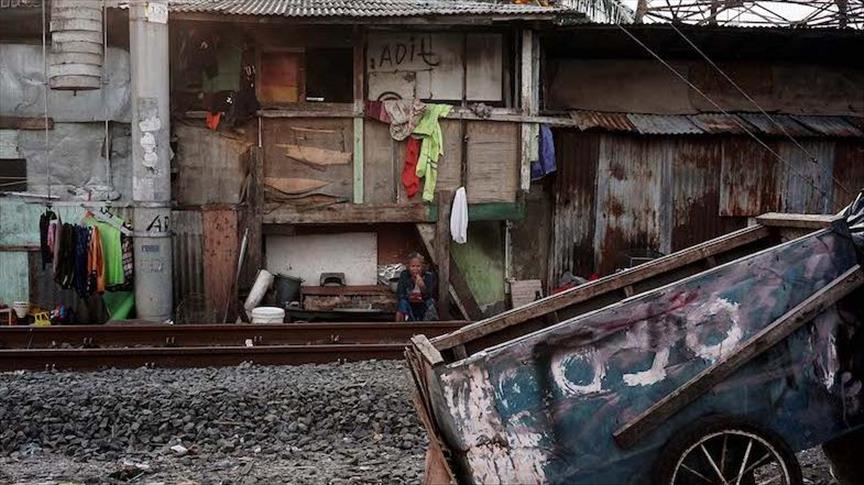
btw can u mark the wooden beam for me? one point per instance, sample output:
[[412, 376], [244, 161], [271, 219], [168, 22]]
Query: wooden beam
[[442, 251], [22, 123], [779, 329], [427, 350], [460, 292], [349, 214], [798, 221], [615, 282]]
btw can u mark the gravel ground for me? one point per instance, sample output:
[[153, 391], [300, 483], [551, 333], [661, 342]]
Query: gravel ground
[[346, 423], [325, 424]]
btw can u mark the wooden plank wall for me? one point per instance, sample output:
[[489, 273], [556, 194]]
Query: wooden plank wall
[[334, 134], [492, 162], [220, 256], [210, 168]]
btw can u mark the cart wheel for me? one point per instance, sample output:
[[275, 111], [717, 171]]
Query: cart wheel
[[727, 452]]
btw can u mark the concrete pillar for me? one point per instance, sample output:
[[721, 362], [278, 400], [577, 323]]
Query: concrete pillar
[[151, 158]]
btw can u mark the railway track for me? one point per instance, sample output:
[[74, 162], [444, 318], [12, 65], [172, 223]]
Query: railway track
[[88, 347]]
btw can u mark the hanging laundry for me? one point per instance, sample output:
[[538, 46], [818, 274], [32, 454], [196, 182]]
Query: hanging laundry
[[374, 110], [431, 148], [213, 120], [58, 237], [459, 217], [410, 180], [66, 257], [44, 221], [79, 260], [128, 261], [404, 115], [112, 253], [95, 263], [546, 163]]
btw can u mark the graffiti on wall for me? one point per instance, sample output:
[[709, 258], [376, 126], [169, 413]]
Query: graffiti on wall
[[434, 66]]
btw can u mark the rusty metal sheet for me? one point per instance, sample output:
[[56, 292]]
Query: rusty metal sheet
[[574, 205], [834, 126], [856, 121], [848, 172], [632, 177], [718, 123], [696, 168], [598, 120], [807, 185], [556, 396], [749, 178], [776, 124], [650, 124]]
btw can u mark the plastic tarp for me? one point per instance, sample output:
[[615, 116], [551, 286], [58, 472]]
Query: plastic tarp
[[22, 86]]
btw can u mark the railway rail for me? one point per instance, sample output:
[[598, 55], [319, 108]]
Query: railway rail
[[87, 347]]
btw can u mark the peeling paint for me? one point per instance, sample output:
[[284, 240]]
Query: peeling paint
[[543, 407]]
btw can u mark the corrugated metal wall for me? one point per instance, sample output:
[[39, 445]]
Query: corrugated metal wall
[[633, 200], [573, 200], [188, 257], [618, 196]]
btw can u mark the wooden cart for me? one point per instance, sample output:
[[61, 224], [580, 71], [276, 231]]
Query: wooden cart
[[710, 365]]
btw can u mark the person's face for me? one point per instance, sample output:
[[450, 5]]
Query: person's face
[[415, 267]]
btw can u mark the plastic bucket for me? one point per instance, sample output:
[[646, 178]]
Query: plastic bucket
[[268, 314], [287, 289]]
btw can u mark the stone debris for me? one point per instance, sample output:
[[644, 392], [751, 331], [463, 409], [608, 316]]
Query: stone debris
[[335, 423]]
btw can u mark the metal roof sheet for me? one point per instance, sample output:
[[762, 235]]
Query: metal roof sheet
[[649, 124], [718, 123], [772, 125], [363, 8], [829, 125], [588, 120], [20, 3]]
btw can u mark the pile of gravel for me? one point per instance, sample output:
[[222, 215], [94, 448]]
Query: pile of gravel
[[356, 416]]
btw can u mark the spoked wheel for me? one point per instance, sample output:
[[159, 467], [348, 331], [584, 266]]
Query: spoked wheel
[[722, 452]]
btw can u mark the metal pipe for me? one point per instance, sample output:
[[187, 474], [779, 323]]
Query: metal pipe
[[151, 158]]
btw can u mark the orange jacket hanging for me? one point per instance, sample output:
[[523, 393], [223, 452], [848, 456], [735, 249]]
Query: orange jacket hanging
[[96, 261]]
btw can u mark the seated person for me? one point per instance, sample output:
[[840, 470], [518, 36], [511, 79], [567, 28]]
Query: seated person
[[416, 292]]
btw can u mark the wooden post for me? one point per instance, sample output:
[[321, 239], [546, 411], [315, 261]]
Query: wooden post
[[359, 98], [528, 101], [442, 251]]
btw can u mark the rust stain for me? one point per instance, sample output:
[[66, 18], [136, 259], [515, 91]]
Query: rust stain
[[617, 170]]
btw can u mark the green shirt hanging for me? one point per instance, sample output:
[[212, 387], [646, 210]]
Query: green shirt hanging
[[428, 129]]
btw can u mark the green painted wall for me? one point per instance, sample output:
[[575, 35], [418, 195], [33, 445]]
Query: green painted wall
[[481, 260]]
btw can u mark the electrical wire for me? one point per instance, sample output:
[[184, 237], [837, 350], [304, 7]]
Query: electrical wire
[[738, 122], [749, 98], [45, 97], [108, 180]]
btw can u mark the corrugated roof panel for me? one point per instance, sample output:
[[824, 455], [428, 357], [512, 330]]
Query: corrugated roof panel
[[856, 121], [589, 120], [663, 124], [829, 125], [772, 125], [20, 3], [362, 8], [718, 123]]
